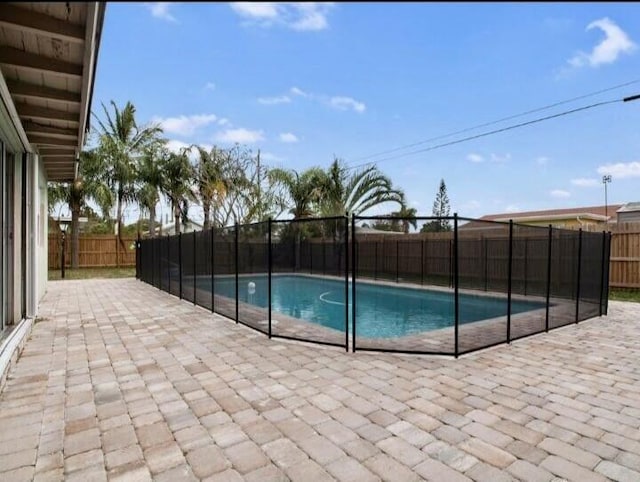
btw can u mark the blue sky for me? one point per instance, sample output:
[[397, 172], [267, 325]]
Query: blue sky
[[305, 82]]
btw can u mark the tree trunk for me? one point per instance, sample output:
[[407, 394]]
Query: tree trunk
[[75, 235], [207, 215], [152, 221], [176, 215], [119, 226]]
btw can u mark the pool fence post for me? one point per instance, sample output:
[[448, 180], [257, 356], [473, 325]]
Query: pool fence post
[[195, 267], [456, 279], [180, 261], [608, 267], [153, 260], [509, 287], [212, 269], [422, 261], [168, 264], [546, 316], [486, 263], [236, 268], [353, 285], [397, 260], [526, 254], [602, 268], [579, 274], [137, 256], [270, 267], [346, 278]]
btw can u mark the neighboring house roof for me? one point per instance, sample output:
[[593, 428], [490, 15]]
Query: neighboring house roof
[[593, 212], [363, 230], [629, 207]]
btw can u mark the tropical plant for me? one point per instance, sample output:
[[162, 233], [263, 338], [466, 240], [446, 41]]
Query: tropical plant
[[302, 191], [87, 186], [151, 179], [121, 142], [408, 218], [210, 180], [301, 194], [358, 191], [179, 174]]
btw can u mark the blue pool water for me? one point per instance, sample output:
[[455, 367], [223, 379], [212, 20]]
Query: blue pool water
[[382, 311]]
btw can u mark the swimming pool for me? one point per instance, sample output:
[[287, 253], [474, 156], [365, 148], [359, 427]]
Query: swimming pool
[[382, 311]]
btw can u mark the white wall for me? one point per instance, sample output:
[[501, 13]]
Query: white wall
[[41, 234]]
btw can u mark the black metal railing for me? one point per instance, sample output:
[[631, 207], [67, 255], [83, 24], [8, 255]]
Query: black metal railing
[[464, 285]]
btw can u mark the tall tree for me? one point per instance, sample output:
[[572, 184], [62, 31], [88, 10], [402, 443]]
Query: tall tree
[[121, 141], [356, 192], [302, 193], [210, 180], [441, 210], [408, 216], [89, 185], [179, 174], [151, 179]]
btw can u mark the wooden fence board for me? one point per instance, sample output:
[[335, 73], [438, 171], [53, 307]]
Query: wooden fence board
[[95, 251]]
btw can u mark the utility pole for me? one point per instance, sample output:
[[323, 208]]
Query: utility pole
[[606, 180]]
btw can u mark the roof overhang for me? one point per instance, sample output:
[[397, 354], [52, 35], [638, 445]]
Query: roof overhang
[[48, 57]]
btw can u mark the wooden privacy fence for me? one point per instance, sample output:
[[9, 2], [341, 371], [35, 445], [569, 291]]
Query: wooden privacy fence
[[625, 256], [96, 251]]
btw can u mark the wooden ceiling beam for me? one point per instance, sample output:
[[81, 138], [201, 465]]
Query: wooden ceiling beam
[[23, 19]]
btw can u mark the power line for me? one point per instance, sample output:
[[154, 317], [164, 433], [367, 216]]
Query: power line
[[504, 119], [496, 131]]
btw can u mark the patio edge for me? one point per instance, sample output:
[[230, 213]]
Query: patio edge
[[12, 347]]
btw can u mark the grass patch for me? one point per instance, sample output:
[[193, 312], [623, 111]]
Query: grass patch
[[89, 273], [624, 295]]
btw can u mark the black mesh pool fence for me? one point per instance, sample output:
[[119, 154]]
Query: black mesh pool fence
[[367, 283]]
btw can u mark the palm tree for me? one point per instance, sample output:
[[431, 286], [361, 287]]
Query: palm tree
[[356, 192], [151, 178], [179, 174], [88, 185], [303, 192], [408, 216], [211, 184], [121, 141]]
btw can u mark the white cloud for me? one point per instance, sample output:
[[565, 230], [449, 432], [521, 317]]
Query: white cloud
[[224, 121], [542, 160], [185, 125], [615, 43], [240, 136], [297, 91], [621, 170], [174, 145], [475, 157], [585, 182], [288, 137], [345, 103], [161, 10], [270, 157], [300, 16], [281, 99], [262, 10], [559, 194], [209, 86], [500, 158]]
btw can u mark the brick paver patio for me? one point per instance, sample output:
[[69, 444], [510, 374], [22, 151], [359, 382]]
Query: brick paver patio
[[120, 381]]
